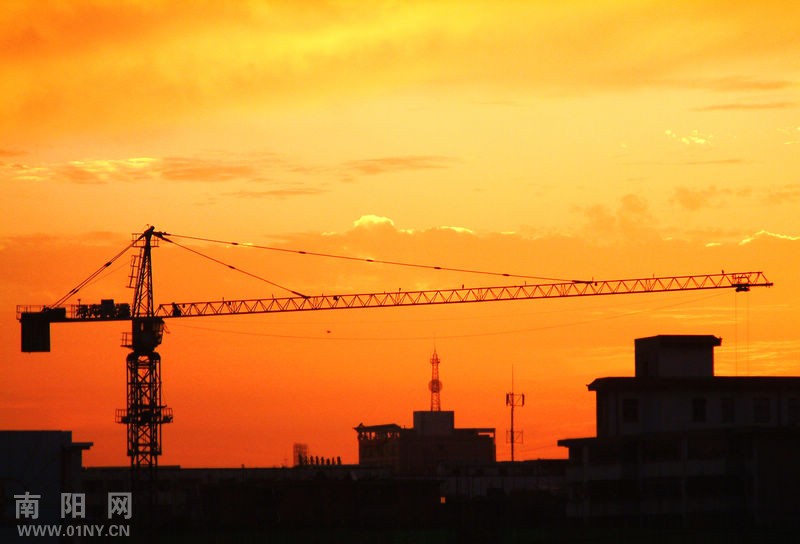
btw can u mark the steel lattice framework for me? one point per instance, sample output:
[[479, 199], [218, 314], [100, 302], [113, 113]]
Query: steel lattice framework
[[740, 281], [435, 385], [144, 413]]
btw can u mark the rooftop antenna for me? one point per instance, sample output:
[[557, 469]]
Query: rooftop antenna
[[514, 400], [435, 384]]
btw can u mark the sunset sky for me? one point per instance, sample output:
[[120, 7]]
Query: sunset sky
[[573, 139]]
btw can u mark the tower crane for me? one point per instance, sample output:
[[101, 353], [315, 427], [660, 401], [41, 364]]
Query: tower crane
[[145, 414]]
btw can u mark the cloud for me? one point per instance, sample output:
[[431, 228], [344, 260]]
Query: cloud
[[115, 67], [737, 83], [691, 199], [710, 162], [460, 230], [24, 172], [782, 195], [283, 192], [767, 234], [383, 165], [296, 178], [140, 169], [745, 106], [204, 170], [694, 199], [370, 220], [793, 132], [630, 219], [714, 162], [40, 32], [86, 172], [695, 137]]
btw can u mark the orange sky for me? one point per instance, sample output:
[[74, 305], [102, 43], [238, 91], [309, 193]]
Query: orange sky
[[570, 139]]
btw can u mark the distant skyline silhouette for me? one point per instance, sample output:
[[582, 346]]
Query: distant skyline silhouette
[[591, 141]]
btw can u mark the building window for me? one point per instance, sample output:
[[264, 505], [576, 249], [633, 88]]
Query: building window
[[728, 410], [699, 410], [602, 415], [793, 412], [630, 410], [762, 412]]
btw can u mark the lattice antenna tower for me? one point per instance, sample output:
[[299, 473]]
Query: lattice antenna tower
[[514, 400], [435, 384]]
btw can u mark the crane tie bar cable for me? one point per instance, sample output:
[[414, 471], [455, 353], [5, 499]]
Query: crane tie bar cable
[[92, 276], [163, 237], [378, 261]]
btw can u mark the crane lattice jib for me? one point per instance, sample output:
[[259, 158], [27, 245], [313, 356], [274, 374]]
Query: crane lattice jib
[[738, 281]]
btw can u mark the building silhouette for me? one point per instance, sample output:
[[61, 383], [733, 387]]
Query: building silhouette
[[678, 446], [679, 452], [43, 464], [433, 445]]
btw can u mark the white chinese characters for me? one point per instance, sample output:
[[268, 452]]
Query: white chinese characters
[[74, 505], [27, 505], [120, 504]]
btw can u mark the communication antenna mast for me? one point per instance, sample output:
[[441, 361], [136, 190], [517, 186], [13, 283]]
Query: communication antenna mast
[[435, 384], [513, 400]]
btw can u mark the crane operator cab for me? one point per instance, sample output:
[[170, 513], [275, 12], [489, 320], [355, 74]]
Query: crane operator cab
[[147, 333]]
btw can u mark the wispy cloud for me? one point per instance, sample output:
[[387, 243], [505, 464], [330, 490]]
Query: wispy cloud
[[630, 218], [768, 234], [783, 194], [255, 168], [205, 170], [738, 83], [708, 162], [716, 162], [692, 199], [695, 137], [794, 135], [460, 230], [383, 165], [372, 220], [747, 106], [281, 192]]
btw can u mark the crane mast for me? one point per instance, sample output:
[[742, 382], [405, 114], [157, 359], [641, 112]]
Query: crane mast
[[145, 413]]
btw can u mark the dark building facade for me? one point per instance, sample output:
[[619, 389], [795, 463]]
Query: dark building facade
[[41, 465], [677, 445]]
